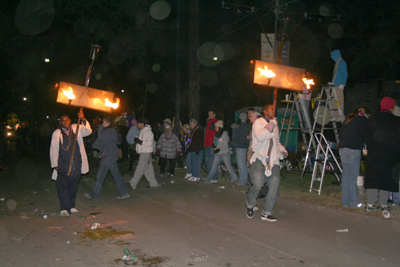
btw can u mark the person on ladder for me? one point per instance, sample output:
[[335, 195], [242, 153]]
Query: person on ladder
[[339, 80]]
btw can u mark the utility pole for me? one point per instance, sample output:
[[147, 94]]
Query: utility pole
[[178, 70], [194, 87]]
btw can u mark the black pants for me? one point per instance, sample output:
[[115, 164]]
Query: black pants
[[67, 188], [163, 163]]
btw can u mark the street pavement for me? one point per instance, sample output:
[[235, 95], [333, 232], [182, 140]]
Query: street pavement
[[182, 223]]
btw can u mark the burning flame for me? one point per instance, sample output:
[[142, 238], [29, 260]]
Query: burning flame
[[308, 82], [69, 93], [112, 105], [266, 72]]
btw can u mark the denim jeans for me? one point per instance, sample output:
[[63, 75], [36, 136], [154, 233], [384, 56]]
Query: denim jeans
[[258, 178], [351, 159], [210, 155], [195, 163], [241, 162], [189, 164], [105, 166], [226, 157]]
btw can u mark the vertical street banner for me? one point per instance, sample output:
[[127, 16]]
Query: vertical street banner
[[268, 52], [285, 54]]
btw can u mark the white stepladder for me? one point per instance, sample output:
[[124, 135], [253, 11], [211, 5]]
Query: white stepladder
[[328, 99], [324, 157]]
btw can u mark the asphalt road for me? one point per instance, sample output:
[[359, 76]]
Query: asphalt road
[[180, 224]]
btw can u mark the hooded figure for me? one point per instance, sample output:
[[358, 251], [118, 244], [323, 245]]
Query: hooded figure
[[340, 69], [339, 80]]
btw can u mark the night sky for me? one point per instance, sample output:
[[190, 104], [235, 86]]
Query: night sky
[[139, 51]]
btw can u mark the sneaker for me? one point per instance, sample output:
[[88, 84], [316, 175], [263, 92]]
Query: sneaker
[[194, 179], [269, 218], [250, 213], [151, 187], [64, 213], [87, 195], [386, 212], [126, 196], [188, 175], [369, 208], [161, 174], [129, 186], [171, 175], [214, 181], [73, 210]]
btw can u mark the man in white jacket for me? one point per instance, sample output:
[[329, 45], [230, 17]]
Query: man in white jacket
[[144, 147], [61, 148], [265, 166]]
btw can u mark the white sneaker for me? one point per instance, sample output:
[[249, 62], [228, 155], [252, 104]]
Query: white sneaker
[[194, 179], [64, 213], [214, 181], [188, 175], [73, 210]]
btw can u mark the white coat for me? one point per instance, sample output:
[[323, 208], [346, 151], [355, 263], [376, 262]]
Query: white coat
[[84, 130], [147, 137], [260, 145]]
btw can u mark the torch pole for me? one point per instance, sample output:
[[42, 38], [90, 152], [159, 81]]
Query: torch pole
[[74, 145]]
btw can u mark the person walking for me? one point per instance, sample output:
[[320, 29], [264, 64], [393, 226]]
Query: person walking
[[144, 147], [265, 165], [61, 151], [167, 147], [240, 143], [351, 136], [194, 148], [106, 144], [222, 153]]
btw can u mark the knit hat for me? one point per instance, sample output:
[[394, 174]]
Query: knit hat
[[133, 122], [387, 103], [220, 124], [243, 117], [167, 121]]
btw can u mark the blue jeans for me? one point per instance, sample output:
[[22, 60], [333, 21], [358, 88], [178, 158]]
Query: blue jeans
[[195, 163], [351, 159], [258, 178], [105, 166], [210, 155], [241, 162], [189, 159], [226, 157]]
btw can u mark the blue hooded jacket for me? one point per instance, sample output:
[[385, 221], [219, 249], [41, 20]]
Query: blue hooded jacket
[[340, 70]]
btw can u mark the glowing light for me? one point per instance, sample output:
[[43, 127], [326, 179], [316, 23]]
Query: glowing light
[[266, 72], [122, 91], [46, 60], [24, 98], [215, 58], [9, 134], [112, 105], [69, 93], [308, 82]]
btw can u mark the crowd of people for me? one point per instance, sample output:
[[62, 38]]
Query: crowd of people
[[254, 142]]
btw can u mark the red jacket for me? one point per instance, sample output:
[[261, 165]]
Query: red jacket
[[210, 132]]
